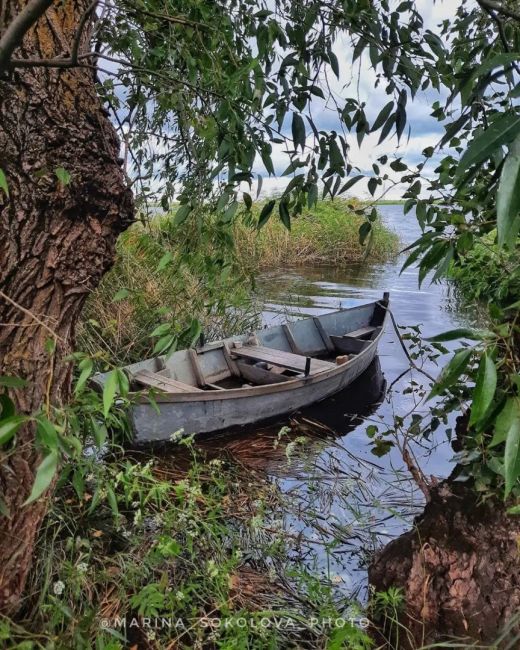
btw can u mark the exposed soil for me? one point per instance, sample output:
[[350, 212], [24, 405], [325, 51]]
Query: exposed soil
[[459, 569]]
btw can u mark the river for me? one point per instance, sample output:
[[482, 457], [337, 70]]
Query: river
[[345, 502]]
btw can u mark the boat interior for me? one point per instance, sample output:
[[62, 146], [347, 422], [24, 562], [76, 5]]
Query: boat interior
[[273, 355]]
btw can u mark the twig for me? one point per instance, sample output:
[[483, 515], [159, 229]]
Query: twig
[[33, 316], [13, 35], [412, 362], [499, 8]]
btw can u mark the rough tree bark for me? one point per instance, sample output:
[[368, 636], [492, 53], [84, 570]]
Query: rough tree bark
[[56, 242], [459, 570]]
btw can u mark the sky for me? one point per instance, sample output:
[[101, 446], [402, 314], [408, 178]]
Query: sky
[[425, 130]]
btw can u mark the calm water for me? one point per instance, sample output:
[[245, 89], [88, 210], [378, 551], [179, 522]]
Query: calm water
[[345, 501]]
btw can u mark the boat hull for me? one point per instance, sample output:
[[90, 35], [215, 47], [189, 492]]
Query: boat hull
[[242, 406]]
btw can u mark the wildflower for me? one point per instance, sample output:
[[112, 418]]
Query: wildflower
[[177, 435], [151, 635], [336, 580], [82, 567], [58, 588], [212, 568], [180, 595]]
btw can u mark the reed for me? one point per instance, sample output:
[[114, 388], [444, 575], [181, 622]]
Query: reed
[[326, 235]]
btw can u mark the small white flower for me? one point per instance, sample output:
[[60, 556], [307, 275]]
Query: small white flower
[[82, 567], [58, 588], [177, 435], [151, 635], [212, 568], [179, 595]]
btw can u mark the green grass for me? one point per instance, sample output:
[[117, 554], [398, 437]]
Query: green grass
[[182, 280], [199, 546], [171, 282], [325, 235]]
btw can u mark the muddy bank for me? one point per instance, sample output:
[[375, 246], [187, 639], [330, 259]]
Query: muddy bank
[[459, 569]]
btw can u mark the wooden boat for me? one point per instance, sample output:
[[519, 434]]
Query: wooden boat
[[253, 377]]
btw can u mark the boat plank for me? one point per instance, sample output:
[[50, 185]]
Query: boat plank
[[326, 338], [166, 384], [260, 375], [360, 333], [279, 358]]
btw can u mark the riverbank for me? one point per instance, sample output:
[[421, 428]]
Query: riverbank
[[171, 282]]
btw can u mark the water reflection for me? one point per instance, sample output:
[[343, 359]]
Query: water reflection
[[342, 501]]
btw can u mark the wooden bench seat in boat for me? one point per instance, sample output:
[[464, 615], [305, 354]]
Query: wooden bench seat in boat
[[356, 341], [360, 333], [287, 360], [166, 384]]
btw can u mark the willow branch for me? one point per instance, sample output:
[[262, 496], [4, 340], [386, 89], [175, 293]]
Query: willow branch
[[499, 8], [19, 26]]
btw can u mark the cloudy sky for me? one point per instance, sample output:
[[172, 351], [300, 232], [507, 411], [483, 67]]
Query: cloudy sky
[[425, 130]]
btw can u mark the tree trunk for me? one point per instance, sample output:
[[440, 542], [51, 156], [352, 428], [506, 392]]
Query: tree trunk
[[56, 242], [458, 569]]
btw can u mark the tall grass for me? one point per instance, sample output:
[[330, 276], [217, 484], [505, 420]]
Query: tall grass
[[167, 276], [326, 235], [198, 276]]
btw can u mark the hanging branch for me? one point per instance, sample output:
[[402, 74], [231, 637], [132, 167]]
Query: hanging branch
[[22, 23]]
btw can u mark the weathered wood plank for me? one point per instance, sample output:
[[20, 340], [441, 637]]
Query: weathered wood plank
[[261, 376], [348, 344], [166, 384], [324, 335], [199, 375], [279, 358], [360, 333], [290, 338]]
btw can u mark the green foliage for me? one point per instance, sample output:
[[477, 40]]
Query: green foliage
[[487, 273], [169, 284], [327, 233], [128, 539]]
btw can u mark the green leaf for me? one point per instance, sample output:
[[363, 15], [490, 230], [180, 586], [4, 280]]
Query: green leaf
[[502, 131], [7, 409], [504, 421], [512, 450], [285, 217], [266, 213], [312, 196], [182, 214], [334, 63], [461, 333], [364, 230], [248, 201], [452, 371], [164, 343], [384, 114], [494, 62], [352, 181], [109, 391], [12, 382], [508, 197], [120, 295], [3, 183], [46, 433], [10, 426], [62, 175], [164, 261], [99, 432], [485, 388], [112, 500], [44, 475], [298, 131]]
